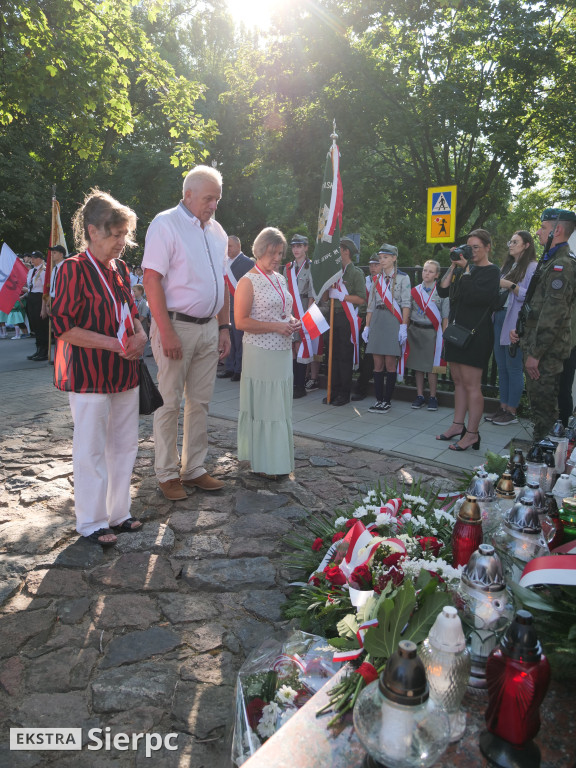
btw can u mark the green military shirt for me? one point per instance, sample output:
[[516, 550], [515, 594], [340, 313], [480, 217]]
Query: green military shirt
[[548, 327], [353, 279]]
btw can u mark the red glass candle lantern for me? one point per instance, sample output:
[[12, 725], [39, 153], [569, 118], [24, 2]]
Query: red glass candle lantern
[[467, 533], [518, 675]]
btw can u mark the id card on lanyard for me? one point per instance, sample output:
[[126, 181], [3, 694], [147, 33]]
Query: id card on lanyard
[[125, 326]]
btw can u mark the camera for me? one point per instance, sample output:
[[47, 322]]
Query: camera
[[461, 251]]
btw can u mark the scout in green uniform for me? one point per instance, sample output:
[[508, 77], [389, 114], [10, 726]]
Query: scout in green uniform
[[546, 342]]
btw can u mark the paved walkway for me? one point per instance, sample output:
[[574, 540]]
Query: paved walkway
[[148, 636]]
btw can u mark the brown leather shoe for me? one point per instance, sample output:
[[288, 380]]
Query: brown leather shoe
[[173, 489], [205, 482]]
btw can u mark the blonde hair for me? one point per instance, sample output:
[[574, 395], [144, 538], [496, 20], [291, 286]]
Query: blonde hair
[[198, 174], [436, 264], [102, 211], [268, 237]]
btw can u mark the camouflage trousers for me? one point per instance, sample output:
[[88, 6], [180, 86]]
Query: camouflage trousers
[[543, 396]]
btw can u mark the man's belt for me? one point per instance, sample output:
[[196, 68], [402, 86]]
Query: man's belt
[[188, 318]]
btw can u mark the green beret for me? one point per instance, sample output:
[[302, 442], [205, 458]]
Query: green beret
[[391, 249], [558, 214], [347, 242]]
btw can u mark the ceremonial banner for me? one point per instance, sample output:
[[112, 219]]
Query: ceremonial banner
[[326, 263], [12, 278], [56, 238]]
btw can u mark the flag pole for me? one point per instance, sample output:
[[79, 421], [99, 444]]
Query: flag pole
[[53, 230], [334, 137]]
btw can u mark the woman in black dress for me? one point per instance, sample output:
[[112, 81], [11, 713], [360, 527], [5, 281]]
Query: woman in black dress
[[473, 287]]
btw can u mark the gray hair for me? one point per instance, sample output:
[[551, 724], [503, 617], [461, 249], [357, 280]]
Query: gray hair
[[198, 174], [268, 237], [102, 211]]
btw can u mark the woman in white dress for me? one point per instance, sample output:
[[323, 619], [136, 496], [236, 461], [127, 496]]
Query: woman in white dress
[[263, 310]]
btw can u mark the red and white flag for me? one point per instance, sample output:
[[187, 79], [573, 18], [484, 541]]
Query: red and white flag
[[56, 238], [314, 322], [12, 278]]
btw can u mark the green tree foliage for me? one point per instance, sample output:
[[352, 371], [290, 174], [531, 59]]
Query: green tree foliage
[[81, 82], [424, 93]]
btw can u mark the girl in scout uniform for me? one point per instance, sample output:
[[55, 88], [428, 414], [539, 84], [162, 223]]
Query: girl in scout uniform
[[387, 325], [428, 318]]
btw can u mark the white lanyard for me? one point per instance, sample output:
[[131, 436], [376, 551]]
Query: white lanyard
[[115, 301], [278, 290]]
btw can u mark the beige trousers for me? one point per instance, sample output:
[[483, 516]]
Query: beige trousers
[[193, 376]]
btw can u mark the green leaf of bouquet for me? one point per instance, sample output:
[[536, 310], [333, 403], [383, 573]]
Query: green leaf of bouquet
[[393, 614], [348, 626], [344, 643], [422, 619], [530, 599]]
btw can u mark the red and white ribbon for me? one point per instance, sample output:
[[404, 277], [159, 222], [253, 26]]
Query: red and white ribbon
[[552, 569], [306, 350], [433, 314], [231, 282], [351, 655], [392, 305], [355, 321], [357, 537]]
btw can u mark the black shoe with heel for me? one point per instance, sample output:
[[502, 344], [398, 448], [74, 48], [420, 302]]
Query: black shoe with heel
[[451, 437], [475, 446]]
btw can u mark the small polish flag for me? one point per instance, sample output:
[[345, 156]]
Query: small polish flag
[[13, 275], [126, 327], [314, 322]]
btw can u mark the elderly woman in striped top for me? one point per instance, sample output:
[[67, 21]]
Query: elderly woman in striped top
[[99, 342]]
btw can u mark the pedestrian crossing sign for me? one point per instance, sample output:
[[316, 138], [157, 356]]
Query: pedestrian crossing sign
[[441, 215]]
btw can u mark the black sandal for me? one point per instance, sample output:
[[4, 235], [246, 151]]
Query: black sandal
[[451, 437], [126, 526], [95, 537]]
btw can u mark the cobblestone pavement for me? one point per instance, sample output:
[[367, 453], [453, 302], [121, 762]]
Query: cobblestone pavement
[[148, 636]]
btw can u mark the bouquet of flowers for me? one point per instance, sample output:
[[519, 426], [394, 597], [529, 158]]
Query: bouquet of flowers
[[273, 683], [383, 576]]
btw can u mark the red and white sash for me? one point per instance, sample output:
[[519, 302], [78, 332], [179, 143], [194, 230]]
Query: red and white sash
[[309, 347], [383, 288], [428, 306], [230, 281], [355, 321]]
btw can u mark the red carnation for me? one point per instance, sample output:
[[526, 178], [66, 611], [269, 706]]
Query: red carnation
[[361, 577], [395, 575], [350, 523], [368, 672], [430, 544], [335, 575], [254, 711], [317, 545], [437, 576], [315, 581], [337, 537], [393, 559]]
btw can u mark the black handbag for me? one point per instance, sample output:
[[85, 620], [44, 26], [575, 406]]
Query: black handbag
[[150, 397], [458, 335]]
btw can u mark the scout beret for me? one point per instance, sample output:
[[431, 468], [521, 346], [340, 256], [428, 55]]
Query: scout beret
[[553, 214], [299, 240], [347, 242], [385, 248]]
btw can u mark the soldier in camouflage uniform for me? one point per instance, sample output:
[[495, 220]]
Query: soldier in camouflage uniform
[[546, 342]]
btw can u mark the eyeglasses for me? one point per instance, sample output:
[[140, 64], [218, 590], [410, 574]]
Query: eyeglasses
[[513, 242]]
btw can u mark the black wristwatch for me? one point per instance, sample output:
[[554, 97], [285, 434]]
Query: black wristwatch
[[226, 326], [513, 287]]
